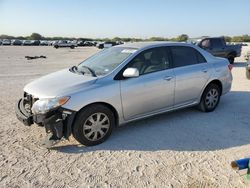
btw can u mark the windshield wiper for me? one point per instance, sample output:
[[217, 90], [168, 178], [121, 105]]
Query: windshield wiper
[[73, 69], [90, 70]]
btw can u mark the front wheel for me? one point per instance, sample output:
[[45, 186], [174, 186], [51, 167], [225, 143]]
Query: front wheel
[[93, 125], [210, 98]]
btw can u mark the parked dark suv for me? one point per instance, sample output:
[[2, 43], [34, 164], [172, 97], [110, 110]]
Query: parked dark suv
[[217, 46]]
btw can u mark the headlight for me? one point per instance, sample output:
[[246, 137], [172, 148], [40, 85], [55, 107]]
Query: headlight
[[42, 106]]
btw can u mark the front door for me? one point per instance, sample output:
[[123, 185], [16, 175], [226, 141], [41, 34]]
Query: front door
[[153, 90]]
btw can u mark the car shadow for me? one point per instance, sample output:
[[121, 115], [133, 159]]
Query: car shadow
[[183, 130]]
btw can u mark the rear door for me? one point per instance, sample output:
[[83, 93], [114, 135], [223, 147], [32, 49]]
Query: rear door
[[191, 72]]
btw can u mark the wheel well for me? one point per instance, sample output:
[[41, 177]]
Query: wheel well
[[233, 53], [109, 106], [218, 83]]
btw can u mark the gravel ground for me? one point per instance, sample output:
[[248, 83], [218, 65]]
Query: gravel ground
[[186, 148]]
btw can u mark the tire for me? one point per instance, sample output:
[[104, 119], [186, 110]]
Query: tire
[[56, 47], [72, 47], [84, 125], [248, 74], [210, 98], [231, 59]]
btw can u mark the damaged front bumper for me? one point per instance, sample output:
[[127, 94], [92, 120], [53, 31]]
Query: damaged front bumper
[[57, 122]]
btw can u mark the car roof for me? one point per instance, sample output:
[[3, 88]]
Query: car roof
[[140, 45], [201, 38]]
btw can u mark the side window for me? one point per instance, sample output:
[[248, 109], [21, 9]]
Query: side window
[[206, 43], [151, 60], [183, 56], [217, 43]]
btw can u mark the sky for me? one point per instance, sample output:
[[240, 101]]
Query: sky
[[125, 18]]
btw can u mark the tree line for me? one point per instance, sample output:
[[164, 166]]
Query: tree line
[[180, 38]]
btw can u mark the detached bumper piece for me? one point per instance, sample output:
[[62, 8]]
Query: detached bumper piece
[[57, 123]]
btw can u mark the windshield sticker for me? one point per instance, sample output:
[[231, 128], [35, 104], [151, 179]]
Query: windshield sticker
[[129, 51]]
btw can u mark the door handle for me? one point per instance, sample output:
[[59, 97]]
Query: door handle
[[168, 78]]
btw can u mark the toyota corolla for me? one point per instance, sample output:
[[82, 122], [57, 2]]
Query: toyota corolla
[[122, 84]]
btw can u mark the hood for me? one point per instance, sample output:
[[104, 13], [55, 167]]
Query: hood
[[58, 83]]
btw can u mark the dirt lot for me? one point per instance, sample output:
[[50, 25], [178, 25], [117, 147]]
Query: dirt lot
[[186, 148]]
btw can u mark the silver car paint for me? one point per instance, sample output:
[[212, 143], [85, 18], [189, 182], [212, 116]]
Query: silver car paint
[[58, 84], [147, 93], [133, 98]]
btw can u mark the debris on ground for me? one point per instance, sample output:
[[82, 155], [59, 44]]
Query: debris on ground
[[34, 57]]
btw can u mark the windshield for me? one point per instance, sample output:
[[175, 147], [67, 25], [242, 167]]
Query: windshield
[[105, 61]]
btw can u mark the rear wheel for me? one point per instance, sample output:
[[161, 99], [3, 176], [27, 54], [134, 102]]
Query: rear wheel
[[72, 47], [210, 98], [93, 125]]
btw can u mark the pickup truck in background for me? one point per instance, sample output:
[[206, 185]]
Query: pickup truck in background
[[217, 46], [65, 43]]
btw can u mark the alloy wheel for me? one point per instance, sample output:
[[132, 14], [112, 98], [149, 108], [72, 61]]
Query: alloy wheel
[[96, 126], [212, 98]]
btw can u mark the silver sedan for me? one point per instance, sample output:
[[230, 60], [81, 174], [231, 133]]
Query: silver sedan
[[122, 84]]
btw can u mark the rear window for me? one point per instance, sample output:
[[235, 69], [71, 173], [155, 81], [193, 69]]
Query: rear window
[[184, 56]]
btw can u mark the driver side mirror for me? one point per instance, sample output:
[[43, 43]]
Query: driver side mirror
[[131, 73]]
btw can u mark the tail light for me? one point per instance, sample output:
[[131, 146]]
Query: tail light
[[230, 66]]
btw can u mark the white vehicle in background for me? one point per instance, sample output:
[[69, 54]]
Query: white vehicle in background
[[65, 44], [106, 45], [53, 42], [44, 43], [6, 42]]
